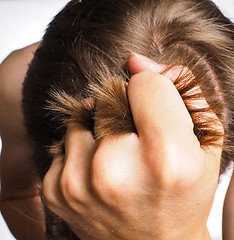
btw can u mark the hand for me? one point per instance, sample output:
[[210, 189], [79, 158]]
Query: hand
[[157, 184]]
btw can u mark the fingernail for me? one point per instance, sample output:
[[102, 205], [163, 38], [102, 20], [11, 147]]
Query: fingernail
[[148, 63], [140, 56]]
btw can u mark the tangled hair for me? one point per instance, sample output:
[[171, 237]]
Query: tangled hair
[[83, 58]]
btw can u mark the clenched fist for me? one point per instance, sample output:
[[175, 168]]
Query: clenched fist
[[157, 183]]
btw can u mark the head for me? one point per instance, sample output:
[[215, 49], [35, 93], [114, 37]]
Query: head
[[84, 54]]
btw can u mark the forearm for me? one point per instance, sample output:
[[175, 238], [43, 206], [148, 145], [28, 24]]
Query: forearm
[[24, 217], [20, 202]]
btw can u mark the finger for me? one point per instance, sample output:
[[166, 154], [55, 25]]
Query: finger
[[75, 178], [138, 63], [164, 127], [157, 108], [50, 187], [117, 168]]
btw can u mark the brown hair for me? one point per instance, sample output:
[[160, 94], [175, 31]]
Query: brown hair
[[83, 57]]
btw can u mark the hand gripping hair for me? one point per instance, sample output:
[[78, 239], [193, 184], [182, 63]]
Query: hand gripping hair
[[82, 61]]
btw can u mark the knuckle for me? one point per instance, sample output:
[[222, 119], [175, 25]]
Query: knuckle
[[48, 193], [73, 190], [116, 173], [164, 165], [104, 181], [174, 167], [68, 186]]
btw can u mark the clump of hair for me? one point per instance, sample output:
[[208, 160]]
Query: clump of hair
[[105, 110]]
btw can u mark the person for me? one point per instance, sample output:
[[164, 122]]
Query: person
[[157, 169]]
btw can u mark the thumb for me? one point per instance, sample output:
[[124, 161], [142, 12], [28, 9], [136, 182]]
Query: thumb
[[158, 110], [138, 63]]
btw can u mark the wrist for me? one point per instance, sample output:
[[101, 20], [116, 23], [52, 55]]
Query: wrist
[[197, 235], [194, 234]]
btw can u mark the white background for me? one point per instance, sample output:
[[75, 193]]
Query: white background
[[23, 22]]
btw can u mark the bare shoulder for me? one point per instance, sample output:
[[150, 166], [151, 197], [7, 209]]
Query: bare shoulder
[[12, 73], [16, 179], [13, 70], [19, 202]]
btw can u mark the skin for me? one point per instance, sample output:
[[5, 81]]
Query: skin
[[113, 186], [228, 212], [20, 204]]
